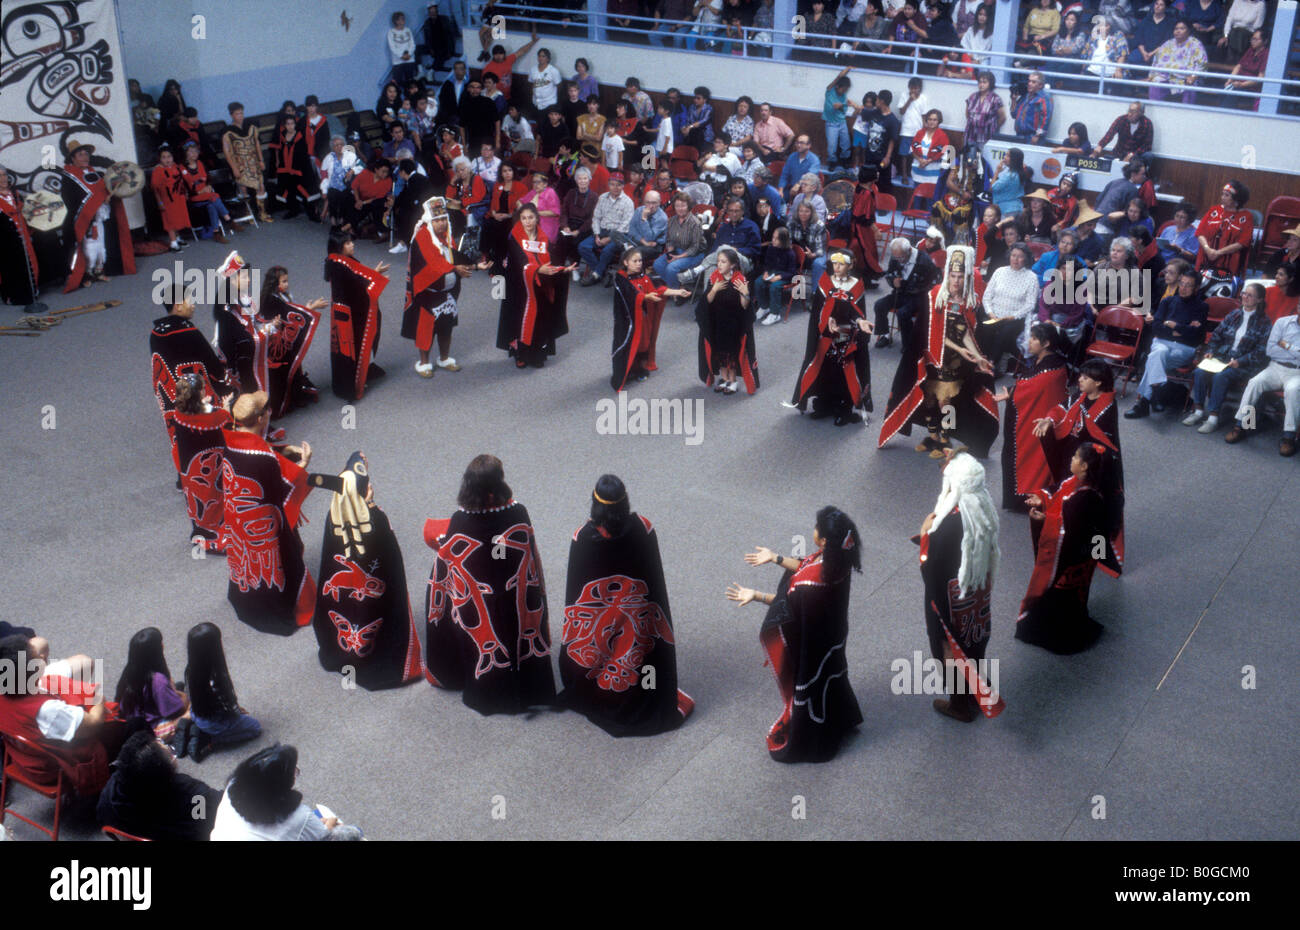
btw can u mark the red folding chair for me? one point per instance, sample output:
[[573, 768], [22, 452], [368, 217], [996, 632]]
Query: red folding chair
[[1183, 376], [31, 765], [919, 217], [1282, 213], [1219, 307], [801, 265], [1037, 249], [121, 836], [888, 205], [1116, 336], [683, 163]]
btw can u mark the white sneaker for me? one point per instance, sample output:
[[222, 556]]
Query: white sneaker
[[448, 363], [1210, 425], [575, 276], [397, 249], [424, 369], [770, 319], [1193, 418]]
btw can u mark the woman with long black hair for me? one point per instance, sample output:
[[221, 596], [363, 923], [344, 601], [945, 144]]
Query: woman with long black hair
[[262, 803], [1039, 388], [145, 688], [1067, 526], [618, 663], [488, 634], [354, 317], [533, 311], [215, 717], [804, 635], [289, 386]]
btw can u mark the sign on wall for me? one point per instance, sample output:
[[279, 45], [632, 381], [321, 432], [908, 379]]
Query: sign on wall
[[61, 78]]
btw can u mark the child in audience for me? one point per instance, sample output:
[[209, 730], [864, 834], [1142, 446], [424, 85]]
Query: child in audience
[[779, 267], [215, 717], [145, 688]]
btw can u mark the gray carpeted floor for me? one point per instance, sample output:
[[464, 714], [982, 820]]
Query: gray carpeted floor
[[1154, 719]]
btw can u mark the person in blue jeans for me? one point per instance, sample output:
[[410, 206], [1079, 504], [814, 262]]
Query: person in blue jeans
[[215, 717], [779, 267], [674, 21], [1179, 327], [835, 112], [683, 242]]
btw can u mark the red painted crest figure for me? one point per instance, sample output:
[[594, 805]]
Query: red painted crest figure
[[618, 661]]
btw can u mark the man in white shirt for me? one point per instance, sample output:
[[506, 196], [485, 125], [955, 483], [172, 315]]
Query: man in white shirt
[[1282, 373], [613, 215]]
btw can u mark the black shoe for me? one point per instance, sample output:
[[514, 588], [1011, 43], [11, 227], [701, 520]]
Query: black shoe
[[841, 419], [200, 746], [609, 279], [1141, 409], [819, 413], [180, 737], [884, 342], [588, 280]]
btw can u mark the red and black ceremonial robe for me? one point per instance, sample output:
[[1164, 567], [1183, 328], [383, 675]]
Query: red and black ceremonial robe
[[1054, 612], [270, 587], [243, 348], [1095, 421], [726, 332], [804, 636], [429, 262], [84, 191], [863, 231], [618, 664], [487, 633], [976, 412], [363, 612], [287, 381], [316, 138], [177, 349], [170, 190], [636, 327], [293, 170], [1222, 228], [20, 273], [354, 324], [1035, 394], [836, 365], [958, 627], [198, 449], [532, 311]]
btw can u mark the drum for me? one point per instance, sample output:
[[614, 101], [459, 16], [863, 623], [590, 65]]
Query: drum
[[44, 211], [124, 179]]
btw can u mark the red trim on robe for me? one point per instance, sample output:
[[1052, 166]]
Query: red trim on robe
[[538, 252], [96, 195], [375, 284]]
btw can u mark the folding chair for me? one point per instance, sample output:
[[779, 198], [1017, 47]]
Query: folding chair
[[888, 205], [919, 217], [1116, 336], [23, 761], [121, 836], [801, 265]]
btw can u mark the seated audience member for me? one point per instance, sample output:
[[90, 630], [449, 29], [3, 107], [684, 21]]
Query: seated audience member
[[1132, 134], [810, 187], [398, 145], [215, 717], [766, 220], [1152, 32], [1106, 50], [718, 167], [86, 737], [1075, 141], [370, 190], [338, 169], [609, 225], [1010, 300], [737, 233], [649, 225], [552, 131], [773, 135], [1147, 254], [1114, 197], [467, 197], [801, 162], [1281, 374], [145, 688], [909, 275], [1088, 245], [516, 131], [1067, 243], [201, 195], [1037, 218], [1280, 297], [988, 239], [1069, 43], [684, 242], [780, 265], [1182, 53], [809, 233], [1065, 201], [1225, 234], [1239, 342], [1289, 254], [1246, 73], [1178, 240], [1064, 301], [1041, 25], [750, 163], [260, 802], [1178, 325], [763, 187], [147, 796]]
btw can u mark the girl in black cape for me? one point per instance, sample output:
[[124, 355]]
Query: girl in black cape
[[836, 366], [804, 635], [533, 311], [618, 630], [1038, 389], [726, 322], [355, 318], [638, 309], [487, 633], [1067, 527], [289, 385], [363, 612], [1092, 418]]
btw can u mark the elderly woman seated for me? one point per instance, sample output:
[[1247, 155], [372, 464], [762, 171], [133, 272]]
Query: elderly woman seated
[[810, 187]]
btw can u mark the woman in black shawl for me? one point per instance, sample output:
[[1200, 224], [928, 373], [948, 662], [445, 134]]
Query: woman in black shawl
[[363, 613], [533, 311], [618, 664], [726, 322], [804, 636], [836, 366], [487, 632]]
